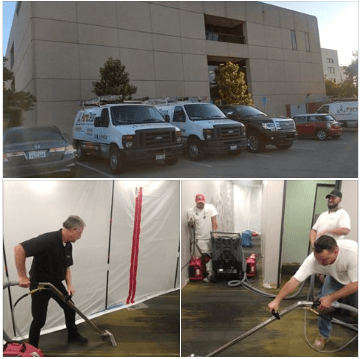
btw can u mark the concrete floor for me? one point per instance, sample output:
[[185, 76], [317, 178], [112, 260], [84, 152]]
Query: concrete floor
[[153, 330], [214, 314]]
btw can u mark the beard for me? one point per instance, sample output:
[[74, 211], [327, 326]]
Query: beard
[[332, 205]]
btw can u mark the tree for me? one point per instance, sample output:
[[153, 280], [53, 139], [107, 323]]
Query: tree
[[332, 89], [351, 71], [13, 100], [346, 89], [232, 87], [114, 81]]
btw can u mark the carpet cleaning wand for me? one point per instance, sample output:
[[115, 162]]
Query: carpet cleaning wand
[[67, 299], [300, 304]]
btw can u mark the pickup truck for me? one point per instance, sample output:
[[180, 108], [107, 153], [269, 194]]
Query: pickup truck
[[262, 129]]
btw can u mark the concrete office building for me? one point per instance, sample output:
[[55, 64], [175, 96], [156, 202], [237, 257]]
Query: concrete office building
[[169, 49], [331, 69]]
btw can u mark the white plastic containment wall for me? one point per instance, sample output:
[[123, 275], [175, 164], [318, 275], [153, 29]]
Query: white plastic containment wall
[[34, 207]]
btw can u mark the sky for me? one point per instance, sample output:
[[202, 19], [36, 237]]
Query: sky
[[337, 23]]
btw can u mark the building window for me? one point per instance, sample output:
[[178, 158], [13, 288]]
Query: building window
[[330, 61], [331, 70], [12, 57], [293, 40], [307, 42], [224, 30]]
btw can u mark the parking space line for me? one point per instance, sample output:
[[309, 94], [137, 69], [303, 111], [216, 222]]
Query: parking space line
[[196, 163], [95, 170]]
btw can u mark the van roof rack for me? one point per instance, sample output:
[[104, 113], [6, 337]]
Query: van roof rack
[[116, 99], [175, 99], [107, 100]]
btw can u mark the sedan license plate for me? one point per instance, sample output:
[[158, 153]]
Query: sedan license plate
[[233, 147], [160, 157], [36, 154]]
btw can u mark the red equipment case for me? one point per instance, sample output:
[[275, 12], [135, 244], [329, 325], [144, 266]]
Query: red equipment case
[[251, 265], [16, 349], [197, 269]]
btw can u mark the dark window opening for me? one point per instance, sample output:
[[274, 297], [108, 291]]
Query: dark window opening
[[12, 57], [224, 30], [293, 40], [307, 42]]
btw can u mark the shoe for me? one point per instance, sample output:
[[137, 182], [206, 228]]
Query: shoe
[[78, 339], [320, 342], [206, 279]]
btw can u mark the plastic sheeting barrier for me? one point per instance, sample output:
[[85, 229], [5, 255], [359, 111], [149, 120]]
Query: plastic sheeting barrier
[[101, 269]]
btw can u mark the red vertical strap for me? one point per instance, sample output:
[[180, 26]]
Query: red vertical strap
[[135, 248]]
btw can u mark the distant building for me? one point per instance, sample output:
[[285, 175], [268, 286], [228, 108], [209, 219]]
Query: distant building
[[331, 69], [169, 49]]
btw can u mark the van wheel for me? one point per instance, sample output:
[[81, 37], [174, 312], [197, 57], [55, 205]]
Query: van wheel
[[322, 135], [195, 150], [81, 155], [255, 142], [116, 163]]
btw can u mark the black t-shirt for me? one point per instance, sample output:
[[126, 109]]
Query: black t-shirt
[[51, 257]]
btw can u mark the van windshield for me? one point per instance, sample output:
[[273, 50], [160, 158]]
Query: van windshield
[[133, 114], [200, 112]]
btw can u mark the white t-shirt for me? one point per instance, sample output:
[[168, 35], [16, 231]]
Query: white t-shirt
[[333, 220], [202, 219], [344, 269]]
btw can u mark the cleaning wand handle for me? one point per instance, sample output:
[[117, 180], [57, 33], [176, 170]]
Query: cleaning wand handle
[[276, 314]]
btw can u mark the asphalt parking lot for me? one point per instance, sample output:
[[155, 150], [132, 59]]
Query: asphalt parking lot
[[307, 158]]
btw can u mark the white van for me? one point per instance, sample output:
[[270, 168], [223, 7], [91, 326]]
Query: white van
[[205, 128], [344, 112], [122, 132]]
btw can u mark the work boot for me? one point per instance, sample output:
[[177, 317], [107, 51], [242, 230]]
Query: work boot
[[77, 339]]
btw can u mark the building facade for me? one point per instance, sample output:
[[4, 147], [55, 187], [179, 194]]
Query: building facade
[[169, 49], [331, 69]]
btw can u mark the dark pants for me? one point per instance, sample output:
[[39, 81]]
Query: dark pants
[[39, 309]]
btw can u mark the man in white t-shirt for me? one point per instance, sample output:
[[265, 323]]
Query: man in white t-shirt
[[338, 261], [203, 217], [335, 222]]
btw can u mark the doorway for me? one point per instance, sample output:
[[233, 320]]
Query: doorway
[[304, 202]]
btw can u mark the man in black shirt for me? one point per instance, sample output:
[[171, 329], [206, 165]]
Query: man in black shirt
[[52, 258]]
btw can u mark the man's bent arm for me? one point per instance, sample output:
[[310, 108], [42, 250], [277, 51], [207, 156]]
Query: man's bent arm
[[288, 288], [348, 289], [20, 258]]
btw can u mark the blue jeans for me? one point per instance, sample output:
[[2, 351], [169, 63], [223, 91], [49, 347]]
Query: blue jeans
[[330, 286]]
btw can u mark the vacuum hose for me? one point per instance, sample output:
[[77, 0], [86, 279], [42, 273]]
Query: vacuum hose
[[299, 304]]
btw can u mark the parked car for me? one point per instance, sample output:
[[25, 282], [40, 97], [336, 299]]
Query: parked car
[[317, 125], [262, 129], [37, 151]]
